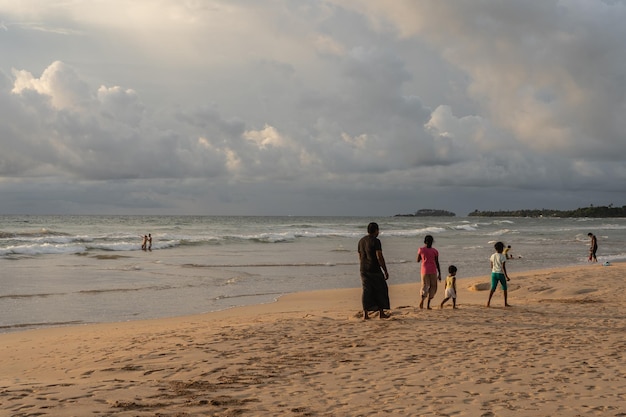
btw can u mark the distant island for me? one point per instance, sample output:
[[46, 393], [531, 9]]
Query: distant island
[[591, 211], [428, 213]]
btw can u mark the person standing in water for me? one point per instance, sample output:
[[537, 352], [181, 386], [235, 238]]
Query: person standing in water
[[374, 274], [506, 253], [593, 248], [430, 271]]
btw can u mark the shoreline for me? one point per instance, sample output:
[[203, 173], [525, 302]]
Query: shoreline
[[292, 302], [414, 286], [557, 351]]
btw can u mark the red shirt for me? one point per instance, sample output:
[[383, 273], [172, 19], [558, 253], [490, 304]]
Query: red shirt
[[429, 266]]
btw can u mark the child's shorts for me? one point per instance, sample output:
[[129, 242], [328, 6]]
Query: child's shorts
[[450, 293], [498, 277]]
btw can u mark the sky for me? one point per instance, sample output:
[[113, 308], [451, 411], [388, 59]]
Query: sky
[[311, 107]]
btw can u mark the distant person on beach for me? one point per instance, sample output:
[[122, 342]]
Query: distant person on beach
[[593, 248], [506, 253], [149, 241], [498, 273], [374, 274], [144, 242], [430, 271], [450, 287]]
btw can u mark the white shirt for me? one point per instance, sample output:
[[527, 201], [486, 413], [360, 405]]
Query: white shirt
[[497, 261]]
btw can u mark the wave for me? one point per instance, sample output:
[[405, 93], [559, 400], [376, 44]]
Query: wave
[[269, 265], [225, 297], [30, 234], [292, 265], [102, 234], [41, 249], [613, 258], [432, 230], [125, 290], [503, 222], [111, 257], [23, 296], [500, 232], [114, 290], [22, 326], [468, 227]]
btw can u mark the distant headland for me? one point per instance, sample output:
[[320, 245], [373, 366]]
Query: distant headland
[[591, 211], [428, 213]]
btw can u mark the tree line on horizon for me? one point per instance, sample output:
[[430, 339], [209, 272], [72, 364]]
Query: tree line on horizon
[[591, 211], [428, 213]]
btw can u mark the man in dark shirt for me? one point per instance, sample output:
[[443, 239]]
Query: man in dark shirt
[[593, 248], [374, 274]]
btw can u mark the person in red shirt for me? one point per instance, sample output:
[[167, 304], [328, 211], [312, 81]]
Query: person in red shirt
[[430, 271]]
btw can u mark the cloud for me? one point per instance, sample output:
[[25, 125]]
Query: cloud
[[122, 105], [545, 71], [58, 82], [251, 107]]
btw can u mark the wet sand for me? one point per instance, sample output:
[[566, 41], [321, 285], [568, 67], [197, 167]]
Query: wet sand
[[559, 350]]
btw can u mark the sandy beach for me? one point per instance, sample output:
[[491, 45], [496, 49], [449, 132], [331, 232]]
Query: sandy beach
[[558, 351]]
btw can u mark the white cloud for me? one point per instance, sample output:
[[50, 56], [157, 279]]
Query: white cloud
[[327, 45], [58, 82], [119, 104], [267, 137]]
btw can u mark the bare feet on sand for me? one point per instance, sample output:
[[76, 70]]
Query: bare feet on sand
[[382, 315]]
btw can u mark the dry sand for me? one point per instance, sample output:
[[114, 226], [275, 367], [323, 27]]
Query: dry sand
[[558, 351]]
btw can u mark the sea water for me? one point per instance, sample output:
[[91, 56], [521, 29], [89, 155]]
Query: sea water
[[59, 270]]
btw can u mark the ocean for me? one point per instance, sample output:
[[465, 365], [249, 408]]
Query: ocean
[[70, 270]]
